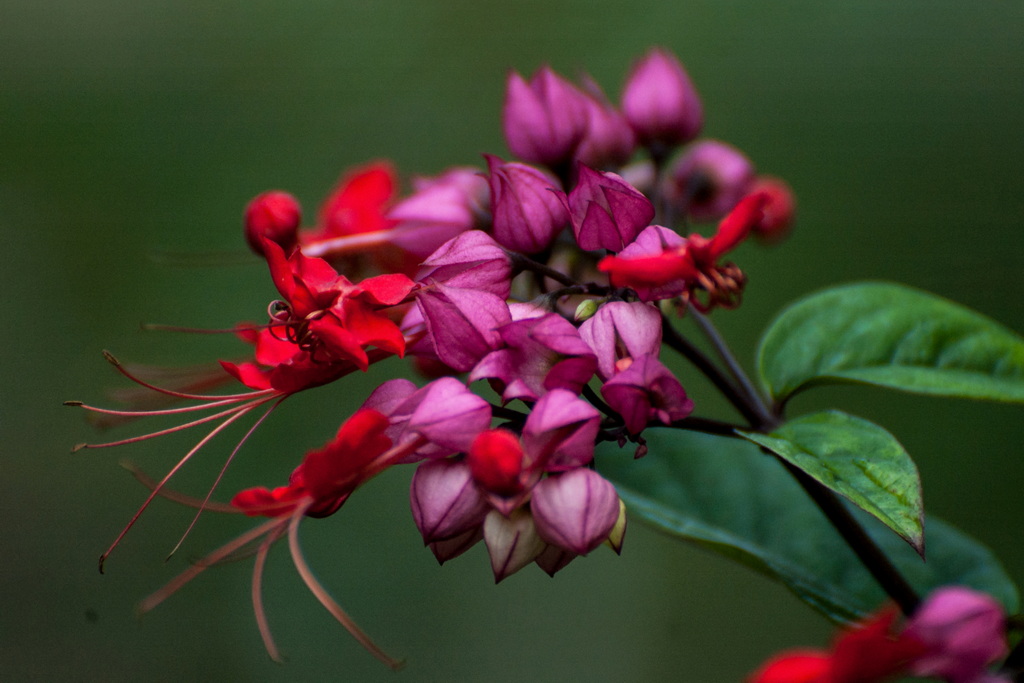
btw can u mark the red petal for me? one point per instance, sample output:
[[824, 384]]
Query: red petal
[[387, 290], [795, 666], [737, 224], [648, 271]]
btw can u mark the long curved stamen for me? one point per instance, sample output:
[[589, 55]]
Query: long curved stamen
[[152, 413], [242, 409], [177, 496], [218, 555], [324, 597], [153, 494], [220, 475], [257, 593], [179, 394]]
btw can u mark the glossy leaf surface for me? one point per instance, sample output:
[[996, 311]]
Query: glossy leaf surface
[[892, 336], [726, 495]]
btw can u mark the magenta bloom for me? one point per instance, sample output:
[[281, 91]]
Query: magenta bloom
[[621, 330], [462, 324], [710, 178], [539, 354], [606, 211], [473, 260], [963, 630], [660, 102], [438, 210], [544, 119], [527, 214], [609, 141], [646, 390], [575, 510], [446, 502]]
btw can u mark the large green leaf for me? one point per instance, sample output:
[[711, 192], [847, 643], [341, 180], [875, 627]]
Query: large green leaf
[[891, 336], [726, 495], [858, 460]]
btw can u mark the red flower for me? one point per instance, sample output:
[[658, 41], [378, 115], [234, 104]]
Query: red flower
[[326, 477], [329, 316], [869, 653], [690, 266], [358, 204], [317, 488]]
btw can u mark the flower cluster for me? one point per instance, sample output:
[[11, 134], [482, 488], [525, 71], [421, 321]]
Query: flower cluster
[[533, 297]]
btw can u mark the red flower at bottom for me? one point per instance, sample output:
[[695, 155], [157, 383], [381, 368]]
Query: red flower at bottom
[[869, 653]]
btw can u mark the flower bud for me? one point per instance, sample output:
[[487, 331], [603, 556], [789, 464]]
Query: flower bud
[[575, 510], [609, 141], [777, 211], [554, 559], [527, 215], [606, 211], [586, 310], [496, 462], [274, 216], [544, 119], [453, 547], [512, 541], [962, 630], [445, 500], [709, 179], [660, 102]]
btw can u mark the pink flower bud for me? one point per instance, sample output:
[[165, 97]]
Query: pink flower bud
[[512, 541], [462, 323], [527, 215], [606, 211], [575, 510], [445, 500], [709, 179], [274, 216], [609, 141], [963, 632], [543, 119], [660, 102]]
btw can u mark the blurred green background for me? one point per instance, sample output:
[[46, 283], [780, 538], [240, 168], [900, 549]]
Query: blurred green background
[[130, 131]]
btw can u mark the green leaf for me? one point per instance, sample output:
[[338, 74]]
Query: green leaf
[[891, 336], [858, 460], [726, 495]]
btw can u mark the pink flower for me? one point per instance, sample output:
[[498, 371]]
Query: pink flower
[[539, 354], [543, 119], [606, 212], [963, 632], [660, 102], [710, 178], [644, 391], [526, 213]]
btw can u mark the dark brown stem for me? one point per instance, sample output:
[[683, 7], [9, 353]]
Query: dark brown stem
[[870, 555], [682, 345]]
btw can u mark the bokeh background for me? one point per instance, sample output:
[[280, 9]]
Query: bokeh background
[[133, 133]]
